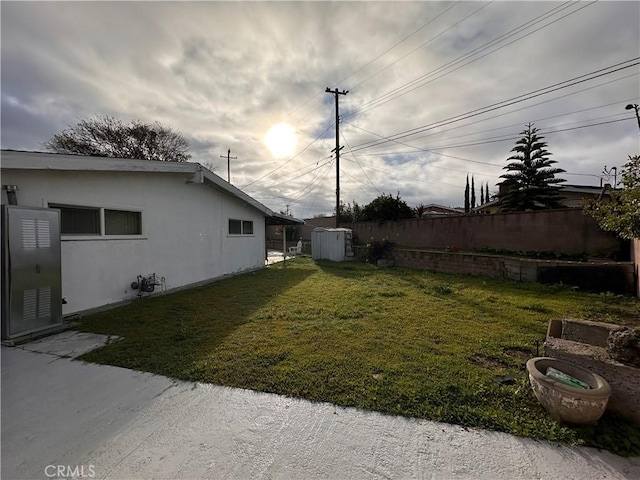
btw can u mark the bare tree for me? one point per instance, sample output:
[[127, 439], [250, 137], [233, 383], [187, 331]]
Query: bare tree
[[105, 136]]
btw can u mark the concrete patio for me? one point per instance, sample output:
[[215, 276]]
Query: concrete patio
[[112, 423]]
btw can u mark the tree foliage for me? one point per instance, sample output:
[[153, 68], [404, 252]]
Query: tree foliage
[[467, 204], [349, 213], [622, 214], [419, 210], [386, 207], [105, 136], [473, 193], [531, 178]]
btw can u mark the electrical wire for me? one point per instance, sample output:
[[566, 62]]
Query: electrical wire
[[368, 63], [619, 102], [358, 162], [420, 46], [504, 103], [416, 83], [291, 159]]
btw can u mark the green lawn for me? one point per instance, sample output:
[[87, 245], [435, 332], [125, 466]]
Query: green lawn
[[397, 341]]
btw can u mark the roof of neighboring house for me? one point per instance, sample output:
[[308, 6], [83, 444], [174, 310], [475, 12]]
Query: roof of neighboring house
[[580, 189], [589, 189], [22, 160], [443, 207]]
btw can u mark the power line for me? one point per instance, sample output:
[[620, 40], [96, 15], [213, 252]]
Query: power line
[[422, 44], [394, 46], [504, 103], [619, 102], [358, 162], [291, 159], [370, 62], [294, 178], [421, 150], [414, 84], [530, 106]]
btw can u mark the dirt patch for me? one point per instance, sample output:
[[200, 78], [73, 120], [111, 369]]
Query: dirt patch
[[630, 321], [522, 354], [487, 362]]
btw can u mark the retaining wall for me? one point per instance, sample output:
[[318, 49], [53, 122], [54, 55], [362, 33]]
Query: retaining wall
[[617, 277]]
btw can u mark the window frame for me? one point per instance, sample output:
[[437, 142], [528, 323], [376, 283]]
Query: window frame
[[244, 226], [102, 235]]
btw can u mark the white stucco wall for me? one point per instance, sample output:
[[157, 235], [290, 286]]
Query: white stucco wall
[[185, 231]]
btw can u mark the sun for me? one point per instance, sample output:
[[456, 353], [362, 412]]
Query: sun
[[281, 140]]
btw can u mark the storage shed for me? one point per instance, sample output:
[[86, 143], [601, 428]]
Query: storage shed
[[331, 244]]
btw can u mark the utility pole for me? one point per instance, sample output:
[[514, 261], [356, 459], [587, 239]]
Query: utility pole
[[229, 157], [336, 93]]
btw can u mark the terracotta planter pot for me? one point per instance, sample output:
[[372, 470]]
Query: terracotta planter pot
[[563, 402]]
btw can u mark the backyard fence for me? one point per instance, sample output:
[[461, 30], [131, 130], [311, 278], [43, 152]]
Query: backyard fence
[[564, 231]]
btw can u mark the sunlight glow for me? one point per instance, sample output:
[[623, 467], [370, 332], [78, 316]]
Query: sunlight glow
[[281, 140]]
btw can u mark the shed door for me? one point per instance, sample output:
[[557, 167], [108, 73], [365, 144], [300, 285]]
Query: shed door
[[34, 270]]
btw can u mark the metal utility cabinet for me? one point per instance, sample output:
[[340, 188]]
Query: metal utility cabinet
[[331, 244], [31, 270]]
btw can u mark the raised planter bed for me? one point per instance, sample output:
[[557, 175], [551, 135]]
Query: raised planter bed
[[584, 343]]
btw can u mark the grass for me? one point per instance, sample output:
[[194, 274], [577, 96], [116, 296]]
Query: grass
[[397, 341]]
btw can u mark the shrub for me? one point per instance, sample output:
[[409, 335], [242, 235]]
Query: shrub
[[375, 249]]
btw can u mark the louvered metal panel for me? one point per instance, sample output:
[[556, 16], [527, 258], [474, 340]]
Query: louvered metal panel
[[31, 273]]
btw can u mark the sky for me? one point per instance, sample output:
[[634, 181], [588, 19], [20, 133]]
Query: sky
[[437, 91]]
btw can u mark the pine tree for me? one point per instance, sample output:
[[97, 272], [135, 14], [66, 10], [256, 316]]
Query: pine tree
[[486, 193], [481, 194], [531, 178], [466, 197]]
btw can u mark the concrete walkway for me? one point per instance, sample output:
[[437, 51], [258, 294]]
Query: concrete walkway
[[115, 423]]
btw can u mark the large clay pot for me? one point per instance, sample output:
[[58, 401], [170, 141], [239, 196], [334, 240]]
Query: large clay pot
[[563, 402]]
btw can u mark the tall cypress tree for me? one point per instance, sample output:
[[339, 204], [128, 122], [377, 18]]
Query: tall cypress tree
[[473, 194], [486, 192], [531, 176], [481, 194], [466, 197]]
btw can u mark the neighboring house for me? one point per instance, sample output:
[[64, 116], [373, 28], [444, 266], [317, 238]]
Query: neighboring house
[[435, 210], [572, 196], [123, 218]]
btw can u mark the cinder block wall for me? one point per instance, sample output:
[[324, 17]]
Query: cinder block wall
[[616, 277], [565, 231]]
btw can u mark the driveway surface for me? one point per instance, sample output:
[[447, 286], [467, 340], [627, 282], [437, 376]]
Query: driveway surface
[[63, 418]]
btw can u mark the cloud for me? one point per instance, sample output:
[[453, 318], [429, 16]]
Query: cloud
[[223, 73]]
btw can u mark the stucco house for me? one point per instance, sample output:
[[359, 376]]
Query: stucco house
[[122, 220], [571, 196]]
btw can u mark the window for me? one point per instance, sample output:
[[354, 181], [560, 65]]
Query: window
[[240, 227], [120, 222], [235, 227], [96, 221], [79, 220]]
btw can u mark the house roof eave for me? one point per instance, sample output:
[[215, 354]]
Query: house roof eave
[[24, 160]]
